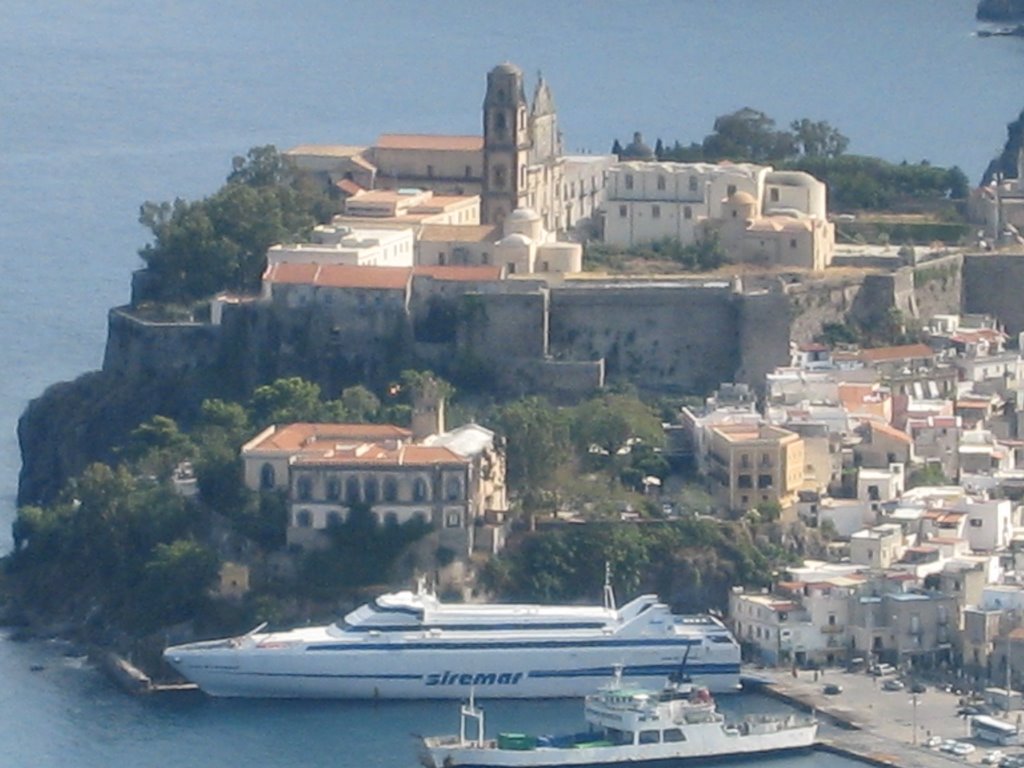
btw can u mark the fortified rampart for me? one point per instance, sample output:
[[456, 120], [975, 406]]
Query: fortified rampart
[[564, 339], [992, 285]]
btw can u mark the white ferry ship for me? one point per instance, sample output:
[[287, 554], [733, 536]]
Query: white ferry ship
[[409, 645], [627, 726]]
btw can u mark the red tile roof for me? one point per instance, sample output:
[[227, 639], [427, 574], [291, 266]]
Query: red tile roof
[[340, 276], [430, 142], [292, 437], [904, 352]]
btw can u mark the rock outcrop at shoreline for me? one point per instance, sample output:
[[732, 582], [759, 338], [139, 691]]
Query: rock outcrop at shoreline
[[1000, 10]]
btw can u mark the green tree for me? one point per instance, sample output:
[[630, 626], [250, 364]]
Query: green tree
[[285, 401], [750, 135], [360, 404], [929, 474], [174, 584], [158, 446], [818, 138], [609, 424], [537, 442]]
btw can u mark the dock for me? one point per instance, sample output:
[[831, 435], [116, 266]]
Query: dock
[[875, 726], [133, 680]]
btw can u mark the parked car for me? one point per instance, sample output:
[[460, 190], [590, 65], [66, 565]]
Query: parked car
[[918, 687], [962, 749], [993, 756], [892, 684], [831, 689], [933, 742], [948, 745]]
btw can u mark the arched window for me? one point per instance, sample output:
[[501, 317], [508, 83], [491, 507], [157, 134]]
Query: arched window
[[453, 489], [352, 490], [500, 124], [500, 177], [391, 520], [333, 488], [371, 490], [304, 518], [268, 477], [304, 487], [390, 489], [419, 489], [334, 519]]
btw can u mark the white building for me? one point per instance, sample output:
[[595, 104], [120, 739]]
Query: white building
[[877, 547], [351, 246]]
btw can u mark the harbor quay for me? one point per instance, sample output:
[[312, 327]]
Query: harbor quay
[[879, 726]]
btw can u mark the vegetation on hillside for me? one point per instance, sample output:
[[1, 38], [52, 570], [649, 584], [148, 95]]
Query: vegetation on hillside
[[854, 182], [220, 242]]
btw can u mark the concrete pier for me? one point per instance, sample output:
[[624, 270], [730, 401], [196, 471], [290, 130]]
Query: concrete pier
[[866, 722]]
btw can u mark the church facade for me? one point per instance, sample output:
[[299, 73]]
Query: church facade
[[518, 162]]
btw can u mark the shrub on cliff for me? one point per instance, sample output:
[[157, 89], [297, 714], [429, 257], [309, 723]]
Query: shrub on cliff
[[220, 242]]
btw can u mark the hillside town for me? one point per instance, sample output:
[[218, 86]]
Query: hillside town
[[910, 457]]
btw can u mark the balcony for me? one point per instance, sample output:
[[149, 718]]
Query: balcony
[[833, 629]]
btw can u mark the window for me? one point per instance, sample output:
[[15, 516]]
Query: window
[[391, 520], [305, 487], [441, 259], [629, 181], [371, 490], [744, 499], [453, 489], [745, 460], [655, 211], [390, 489], [976, 522], [873, 493], [500, 125], [334, 518], [730, 190], [792, 243], [745, 481], [687, 212], [661, 183], [419, 489], [304, 518], [469, 171], [333, 488], [764, 481], [453, 520], [430, 171], [267, 476], [672, 734], [693, 183], [773, 194], [499, 176], [622, 211], [649, 737], [352, 495]]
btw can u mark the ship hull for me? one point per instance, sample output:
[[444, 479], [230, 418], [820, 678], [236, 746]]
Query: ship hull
[[444, 670], [637, 756]]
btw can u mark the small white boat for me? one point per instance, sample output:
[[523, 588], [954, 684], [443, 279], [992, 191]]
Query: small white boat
[[627, 725]]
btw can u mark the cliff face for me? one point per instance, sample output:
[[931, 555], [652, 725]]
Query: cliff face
[[1000, 10]]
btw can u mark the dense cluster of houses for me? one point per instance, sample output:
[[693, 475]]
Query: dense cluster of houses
[[911, 459]]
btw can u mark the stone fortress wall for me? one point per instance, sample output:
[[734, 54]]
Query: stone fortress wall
[[664, 335]]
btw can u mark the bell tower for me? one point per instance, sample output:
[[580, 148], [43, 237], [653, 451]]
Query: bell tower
[[506, 144]]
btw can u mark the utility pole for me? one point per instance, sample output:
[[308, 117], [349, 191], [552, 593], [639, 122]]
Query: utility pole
[[913, 700]]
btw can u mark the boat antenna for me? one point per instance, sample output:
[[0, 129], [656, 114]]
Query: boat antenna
[[609, 593], [680, 675]]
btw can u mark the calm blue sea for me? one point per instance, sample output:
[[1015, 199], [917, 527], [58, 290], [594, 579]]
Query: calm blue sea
[[105, 104]]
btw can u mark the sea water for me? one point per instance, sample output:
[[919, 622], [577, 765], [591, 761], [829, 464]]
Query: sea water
[[106, 104]]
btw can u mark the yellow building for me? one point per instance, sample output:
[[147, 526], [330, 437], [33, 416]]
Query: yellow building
[[753, 464]]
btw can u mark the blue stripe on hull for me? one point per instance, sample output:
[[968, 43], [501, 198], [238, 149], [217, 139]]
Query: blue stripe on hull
[[508, 645]]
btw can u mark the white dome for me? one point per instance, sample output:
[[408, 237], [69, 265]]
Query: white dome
[[523, 214], [515, 239]]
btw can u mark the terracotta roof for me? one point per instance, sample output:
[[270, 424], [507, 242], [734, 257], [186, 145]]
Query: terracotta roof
[[325, 150], [458, 233], [292, 437], [889, 431], [349, 187], [403, 455], [340, 276], [430, 141], [459, 274], [904, 352]]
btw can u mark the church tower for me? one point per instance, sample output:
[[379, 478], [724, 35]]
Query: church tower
[[506, 144]]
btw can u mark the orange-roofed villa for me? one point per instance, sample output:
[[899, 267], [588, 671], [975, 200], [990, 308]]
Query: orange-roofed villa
[[450, 479]]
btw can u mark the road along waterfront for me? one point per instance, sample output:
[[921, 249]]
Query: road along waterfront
[[876, 725]]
